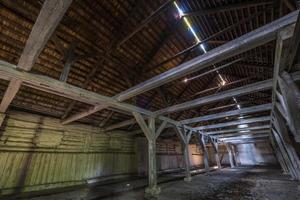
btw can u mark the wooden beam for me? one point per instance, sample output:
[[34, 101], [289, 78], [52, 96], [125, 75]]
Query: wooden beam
[[290, 4], [254, 87], [215, 146], [49, 17], [230, 7], [242, 133], [201, 139], [59, 88], [247, 110], [293, 47], [238, 129], [246, 42], [208, 39], [70, 58], [242, 44], [153, 15], [291, 101], [117, 42], [232, 123]]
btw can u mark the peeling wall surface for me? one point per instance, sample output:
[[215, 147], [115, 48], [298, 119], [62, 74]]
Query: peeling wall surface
[[39, 153]]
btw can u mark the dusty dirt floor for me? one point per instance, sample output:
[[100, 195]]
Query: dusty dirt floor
[[236, 184]]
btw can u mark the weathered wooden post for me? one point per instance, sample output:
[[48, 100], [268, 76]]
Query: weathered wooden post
[[216, 151], [185, 136], [234, 155], [230, 155], [201, 138], [151, 134]]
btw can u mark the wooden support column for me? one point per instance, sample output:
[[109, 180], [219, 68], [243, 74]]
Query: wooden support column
[[216, 152], [185, 136], [284, 153], [201, 138], [278, 154], [281, 161], [151, 134], [281, 136], [234, 155], [230, 155], [291, 100]]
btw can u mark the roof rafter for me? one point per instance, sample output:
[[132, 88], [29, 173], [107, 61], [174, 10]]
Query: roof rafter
[[48, 19]]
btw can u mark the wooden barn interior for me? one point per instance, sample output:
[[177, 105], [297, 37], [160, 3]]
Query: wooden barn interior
[[149, 99]]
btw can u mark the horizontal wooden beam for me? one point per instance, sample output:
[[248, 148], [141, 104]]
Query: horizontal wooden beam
[[238, 129], [50, 85], [242, 138], [242, 44], [49, 17], [242, 133], [247, 110], [237, 46], [230, 7], [254, 87], [232, 123]]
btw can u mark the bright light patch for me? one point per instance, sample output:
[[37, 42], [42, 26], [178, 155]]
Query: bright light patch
[[178, 9], [243, 126]]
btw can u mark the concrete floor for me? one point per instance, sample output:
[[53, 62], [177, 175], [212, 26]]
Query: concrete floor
[[239, 183]]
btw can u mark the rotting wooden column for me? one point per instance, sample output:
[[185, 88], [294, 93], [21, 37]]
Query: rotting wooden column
[[201, 138], [185, 136], [230, 155], [216, 152], [151, 134]]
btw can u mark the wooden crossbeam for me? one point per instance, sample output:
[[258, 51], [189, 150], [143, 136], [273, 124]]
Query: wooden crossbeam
[[52, 86], [238, 129], [118, 41], [252, 109], [49, 17], [242, 44], [254, 87], [230, 7], [232, 123], [248, 41]]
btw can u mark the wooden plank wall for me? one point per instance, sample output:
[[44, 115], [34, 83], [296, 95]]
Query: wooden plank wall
[[38, 153], [168, 154]]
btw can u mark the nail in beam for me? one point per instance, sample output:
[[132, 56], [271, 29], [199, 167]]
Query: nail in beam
[[151, 134], [185, 136], [242, 44]]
